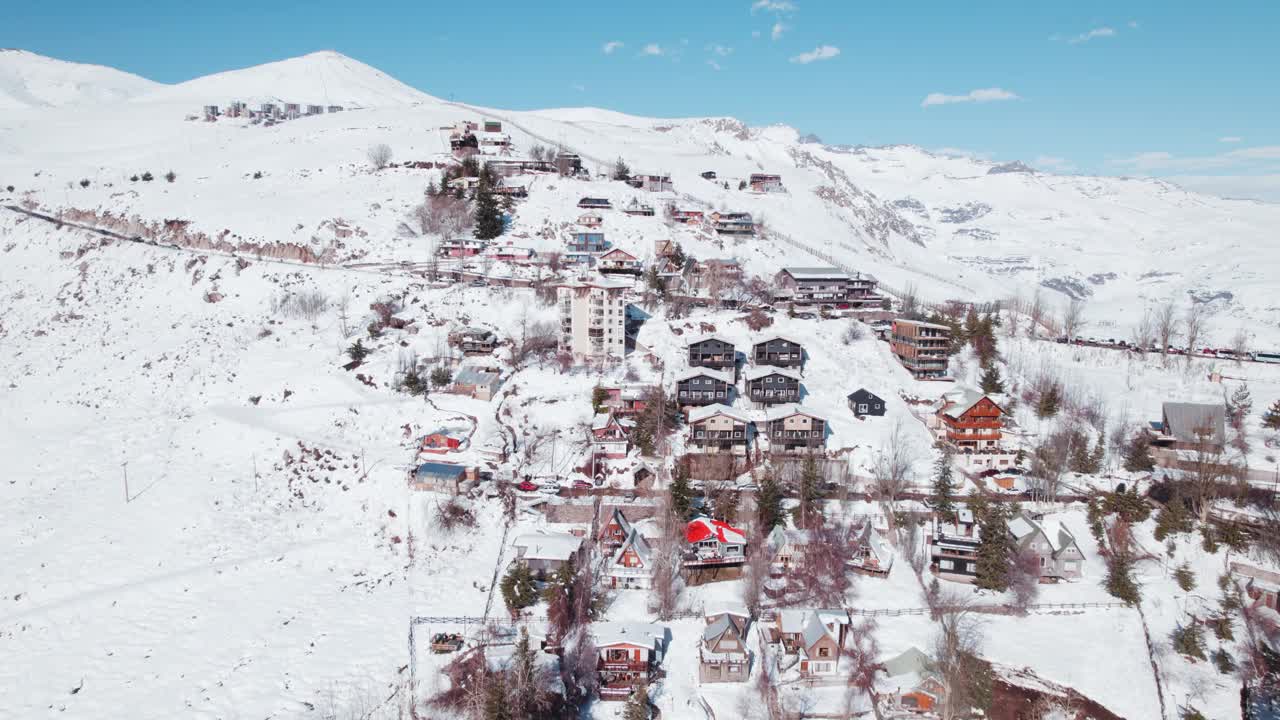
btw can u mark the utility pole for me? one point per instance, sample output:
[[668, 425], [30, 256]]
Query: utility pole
[[124, 466]]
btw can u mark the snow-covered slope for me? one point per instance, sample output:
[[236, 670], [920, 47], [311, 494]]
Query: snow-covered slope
[[324, 77], [29, 80]]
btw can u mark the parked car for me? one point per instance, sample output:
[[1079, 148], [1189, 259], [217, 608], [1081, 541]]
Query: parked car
[[526, 486], [478, 283], [581, 485], [550, 489]]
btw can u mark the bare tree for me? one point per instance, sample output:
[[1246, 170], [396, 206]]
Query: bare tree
[[757, 574], [892, 473], [667, 583], [1035, 313], [956, 647], [1196, 318], [822, 576], [1015, 308], [1144, 332], [1024, 579], [1073, 318], [1167, 325], [343, 308], [909, 303], [1240, 344], [379, 155]]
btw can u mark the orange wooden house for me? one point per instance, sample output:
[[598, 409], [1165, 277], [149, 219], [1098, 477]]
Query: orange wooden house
[[970, 421]]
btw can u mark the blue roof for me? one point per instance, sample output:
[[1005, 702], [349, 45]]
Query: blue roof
[[441, 471]]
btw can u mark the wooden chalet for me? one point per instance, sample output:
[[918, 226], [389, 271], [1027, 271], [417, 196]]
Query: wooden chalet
[[718, 429], [631, 565], [610, 436], [620, 262], [769, 385], [778, 351], [722, 653], [704, 386], [815, 637], [792, 428], [594, 203], [970, 421], [863, 403], [630, 654], [712, 352], [763, 182], [712, 543], [614, 531], [474, 340]]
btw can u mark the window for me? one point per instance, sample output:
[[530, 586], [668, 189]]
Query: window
[[946, 564], [701, 434], [737, 433], [824, 652], [734, 669], [862, 407]]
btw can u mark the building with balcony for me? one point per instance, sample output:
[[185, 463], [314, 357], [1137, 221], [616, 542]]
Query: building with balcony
[[621, 262], [586, 242], [722, 653], [969, 421], [629, 655], [712, 352], [763, 182], [953, 546], [610, 435], [778, 351], [823, 286], [630, 567], [769, 385], [593, 319], [719, 428], [922, 348], [704, 386], [792, 428], [713, 543]]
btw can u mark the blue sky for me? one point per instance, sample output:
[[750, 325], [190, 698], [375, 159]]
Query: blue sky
[[1186, 90]]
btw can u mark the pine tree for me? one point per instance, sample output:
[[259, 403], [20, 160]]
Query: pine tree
[[1271, 418], [1185, 577], [357, 352], [1137, 456], [1240, 405], [996, 548], [681, 493], [523, 671], [637, 705], [1120, 582], [809, 512], [1050, 401], [440, 376], [943, 488], [1173, 518], [621, 171], [992, 383], [488, 216], [495, 698], [768, 504], [518, 589], [598, 397]]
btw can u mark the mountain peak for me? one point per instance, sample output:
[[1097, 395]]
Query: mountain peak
[[32, 80]]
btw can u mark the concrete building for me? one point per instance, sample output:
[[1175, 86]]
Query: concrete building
[[922, 348], [593, 319]]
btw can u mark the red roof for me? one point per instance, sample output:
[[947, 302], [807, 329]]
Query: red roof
[[703, 528]]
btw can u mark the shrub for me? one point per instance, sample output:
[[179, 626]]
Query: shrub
[[171, 176], [1222, 627], [307, 304], [453, 514], [1189, 641], [147, 176], [133, 178], [257, 175], [758, 320], [9, 188], [84, 183], [518, 590], [853, 333], [1185, 577], [357, 352], [1222, 659], [441, 376]]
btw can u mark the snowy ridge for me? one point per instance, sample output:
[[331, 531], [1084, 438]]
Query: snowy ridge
[[28, 80]]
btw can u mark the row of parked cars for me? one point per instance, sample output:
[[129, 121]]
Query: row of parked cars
[[1267, 357]]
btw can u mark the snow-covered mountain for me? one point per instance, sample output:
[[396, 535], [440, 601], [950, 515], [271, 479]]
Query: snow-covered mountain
[[28, 80], [952, 227]]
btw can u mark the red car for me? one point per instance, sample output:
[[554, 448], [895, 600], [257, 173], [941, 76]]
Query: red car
[[581, 485], [526, 486]]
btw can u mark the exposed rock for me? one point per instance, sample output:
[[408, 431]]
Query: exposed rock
[[1017, 166], [964, 213]]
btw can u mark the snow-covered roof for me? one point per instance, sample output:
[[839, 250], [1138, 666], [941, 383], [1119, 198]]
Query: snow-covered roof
[[814, 631], [921, 324], [618, 633], [816, 273], [760, 371], [703, 528], [469, 375], [721, 375], [786, 410], [960, 400], [548, 546], [1186, 421], [603, 283], [725, 607], [635, 541], [708, 411], [715, 629], [911, 661], [704, 338], [623, 523], [771, 338]]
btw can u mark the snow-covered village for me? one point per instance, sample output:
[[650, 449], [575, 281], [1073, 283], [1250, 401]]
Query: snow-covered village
[[327, 398]]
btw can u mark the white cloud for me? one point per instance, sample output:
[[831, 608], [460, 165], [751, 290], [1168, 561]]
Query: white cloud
[[1053, 162], [652, 49], [755, 33], [962, 153], [822, 52], [714, 65], [1261, 156], [579, 87], [1098, 32], [1133, 24], [773, 6], [1230, 139], [777, 30], [610, 46], [721, 50], [980, 96]]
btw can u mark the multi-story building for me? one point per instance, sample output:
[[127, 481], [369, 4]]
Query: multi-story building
[[762, 182], [792, 428], [970, 421], [825, 286], [719, 429], [593, 319], [630, 655], [921, 347], [770, 385], [704, 386], [586, 242], [778, 351], [713, 352]]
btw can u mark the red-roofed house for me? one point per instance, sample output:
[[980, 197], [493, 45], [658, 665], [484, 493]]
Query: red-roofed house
[[440, 442], [712, 542]]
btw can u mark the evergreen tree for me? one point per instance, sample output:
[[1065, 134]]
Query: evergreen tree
[[996, 547], [357, 352], [943, 487], [523, 671], [598, 397], [518, 589], [992, 383], [1271, 418], [621, 171], [768, 504], [1050, 401], [1137, 456], [495, 698], [440, 376], [1240, 405], [809, 512], [1185, 577], [637, 705], [1120, 582], [681, 493], [1173, 518], [488, 216]]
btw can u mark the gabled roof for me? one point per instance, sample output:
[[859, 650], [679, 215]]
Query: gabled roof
[[814, 631], [911, 661], [708, 411], [771, 338], [864, 391], [618, 251], [704, 528], [600, 421], [725, 607], [715, 629], [438, 471], [784, 411], [959, 402], [704, 338], [475, 376], [617, 633], [721, 375], [620, 519], [760, 371], [1186, 421], [548, 546], [635, 541]]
